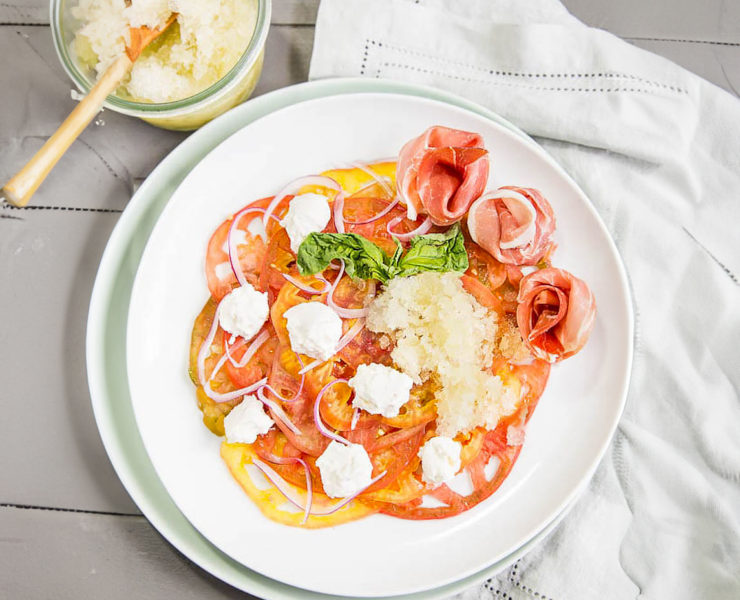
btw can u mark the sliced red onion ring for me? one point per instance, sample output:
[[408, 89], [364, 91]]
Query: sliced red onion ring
[[274, 392], [317, 416], [216, 397], [233, 255], [307, 288], [276, 409], [297, 184], [351, 334], [300, 387], [355, 418], [382, 182], [339, 213], [404, 237], [250, 352], [282, 460], [222, 361], [284, 487], [345, 313]]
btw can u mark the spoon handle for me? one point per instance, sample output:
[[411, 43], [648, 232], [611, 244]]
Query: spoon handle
[[20, 188]]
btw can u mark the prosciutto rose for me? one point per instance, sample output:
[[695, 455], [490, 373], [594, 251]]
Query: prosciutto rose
[[513, 224], [441, 173], [555, 313]]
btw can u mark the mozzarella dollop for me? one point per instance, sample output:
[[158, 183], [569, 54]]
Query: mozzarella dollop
[[246, 421], [345, 470], [440, 459], [314, 329], [380, 390], [306, 213], [243, 311]]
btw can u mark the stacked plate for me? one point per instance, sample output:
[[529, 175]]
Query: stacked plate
[[150, 286]]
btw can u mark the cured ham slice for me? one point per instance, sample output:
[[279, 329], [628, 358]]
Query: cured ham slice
[[555, 313], [441, 173], [513, 224]]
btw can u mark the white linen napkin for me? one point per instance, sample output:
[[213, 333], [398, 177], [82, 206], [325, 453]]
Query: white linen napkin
[[657, 150]]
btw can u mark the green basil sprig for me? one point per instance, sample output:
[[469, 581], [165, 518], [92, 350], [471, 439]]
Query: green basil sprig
[[363, 259]]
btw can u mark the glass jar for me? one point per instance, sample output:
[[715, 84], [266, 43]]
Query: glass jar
[[182, 115]]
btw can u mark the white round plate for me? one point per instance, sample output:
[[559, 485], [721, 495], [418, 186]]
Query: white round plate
[[377, 556]]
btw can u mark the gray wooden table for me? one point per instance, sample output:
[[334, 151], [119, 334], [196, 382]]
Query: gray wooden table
[[67, 527]]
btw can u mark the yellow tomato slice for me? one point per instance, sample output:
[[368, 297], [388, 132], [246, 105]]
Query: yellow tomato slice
[[353, 179], [271, 500]]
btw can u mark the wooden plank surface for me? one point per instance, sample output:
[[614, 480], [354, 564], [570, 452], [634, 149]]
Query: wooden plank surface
[[75, 556], [50, 453]]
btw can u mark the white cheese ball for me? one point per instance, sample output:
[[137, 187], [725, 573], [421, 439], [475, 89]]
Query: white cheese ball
[[380, 390], [440, 459], [246, 421], [314, 329], [306, 213], [243, 311], [345, 470]]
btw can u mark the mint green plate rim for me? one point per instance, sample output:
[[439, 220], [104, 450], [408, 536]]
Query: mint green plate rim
[[106, 338]]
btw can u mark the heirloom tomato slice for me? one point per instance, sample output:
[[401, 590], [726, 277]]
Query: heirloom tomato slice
[[251, 249]]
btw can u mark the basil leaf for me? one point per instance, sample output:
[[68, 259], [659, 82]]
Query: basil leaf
[[393, 268], [435, 252], [362, 258]]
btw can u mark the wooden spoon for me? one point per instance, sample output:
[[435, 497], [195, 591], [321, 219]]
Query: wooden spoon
[[20, 188]]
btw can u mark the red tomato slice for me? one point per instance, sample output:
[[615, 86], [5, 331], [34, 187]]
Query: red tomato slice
[[367, 347], [277, 259], [259, 365], [251, 252], [484, 267], [274, 443], [482, 294], [393, 458]]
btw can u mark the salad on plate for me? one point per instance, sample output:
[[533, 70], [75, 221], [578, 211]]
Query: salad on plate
[[377, 336]]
